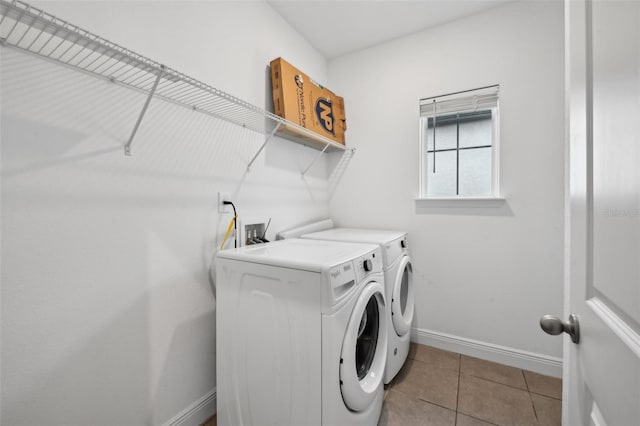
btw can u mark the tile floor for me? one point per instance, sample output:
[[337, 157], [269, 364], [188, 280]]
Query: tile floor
[[440, 388], [437, 387]]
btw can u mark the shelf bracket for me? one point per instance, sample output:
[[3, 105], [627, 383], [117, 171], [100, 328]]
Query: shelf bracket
[[314, 160], [127, 147], [266, 141]]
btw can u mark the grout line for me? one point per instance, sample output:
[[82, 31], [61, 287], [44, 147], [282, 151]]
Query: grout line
[[546, 396], [535, 412], [458, 387], [478, 418], [430, 402], [498, 383], [524, 376]]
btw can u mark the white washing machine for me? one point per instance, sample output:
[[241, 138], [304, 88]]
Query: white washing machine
[[399, 291], [301, 334]]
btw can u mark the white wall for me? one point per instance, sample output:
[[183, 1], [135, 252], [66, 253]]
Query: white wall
[[484, 276], [108, 315]]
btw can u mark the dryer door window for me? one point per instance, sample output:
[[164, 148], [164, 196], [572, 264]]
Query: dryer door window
[[402, 298], [364, 349]]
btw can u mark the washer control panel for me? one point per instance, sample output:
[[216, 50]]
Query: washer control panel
[[342, 275], [347, 275], [368, 264]]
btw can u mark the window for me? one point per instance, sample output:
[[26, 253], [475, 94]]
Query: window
[[459, 145]]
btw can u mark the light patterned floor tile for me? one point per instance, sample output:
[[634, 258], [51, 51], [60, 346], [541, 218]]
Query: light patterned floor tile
[[402, 410], [495, 403]]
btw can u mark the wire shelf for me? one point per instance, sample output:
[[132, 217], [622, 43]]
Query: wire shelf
[[37, 32]]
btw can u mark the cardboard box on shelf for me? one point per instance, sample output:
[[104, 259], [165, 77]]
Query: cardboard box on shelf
[[299, 99]]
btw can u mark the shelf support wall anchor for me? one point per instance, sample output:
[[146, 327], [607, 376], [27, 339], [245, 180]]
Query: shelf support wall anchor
[[266, 141], [127, 147], [314, 160]]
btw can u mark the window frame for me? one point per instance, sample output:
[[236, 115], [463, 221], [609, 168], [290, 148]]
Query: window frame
[[484, 200]]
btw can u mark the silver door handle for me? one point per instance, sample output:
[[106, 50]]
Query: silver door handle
[[554, 326]]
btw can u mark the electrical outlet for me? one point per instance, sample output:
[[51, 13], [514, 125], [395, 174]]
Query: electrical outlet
[[223, 208]]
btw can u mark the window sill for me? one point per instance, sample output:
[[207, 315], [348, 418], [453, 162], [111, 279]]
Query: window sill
[[471, 202]]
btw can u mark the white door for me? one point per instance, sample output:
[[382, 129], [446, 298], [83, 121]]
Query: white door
[[602, 374]]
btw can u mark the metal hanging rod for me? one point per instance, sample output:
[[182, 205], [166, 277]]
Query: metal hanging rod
[[39, 33]]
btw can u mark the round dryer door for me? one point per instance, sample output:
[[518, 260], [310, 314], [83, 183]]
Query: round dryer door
[[364, 349], [402, 298]]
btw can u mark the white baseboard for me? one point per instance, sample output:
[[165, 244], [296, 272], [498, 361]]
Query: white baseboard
[[543, 364], [196, 413]]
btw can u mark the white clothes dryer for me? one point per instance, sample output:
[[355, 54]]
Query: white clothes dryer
[[301, 334], [399, 291]]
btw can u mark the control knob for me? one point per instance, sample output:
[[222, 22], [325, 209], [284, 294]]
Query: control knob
[[403, 244], [367, 265]]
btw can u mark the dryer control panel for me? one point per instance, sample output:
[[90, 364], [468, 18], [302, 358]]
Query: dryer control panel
[[395, 249]]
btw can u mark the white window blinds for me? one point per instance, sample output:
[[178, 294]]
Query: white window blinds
[[461, 102]]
